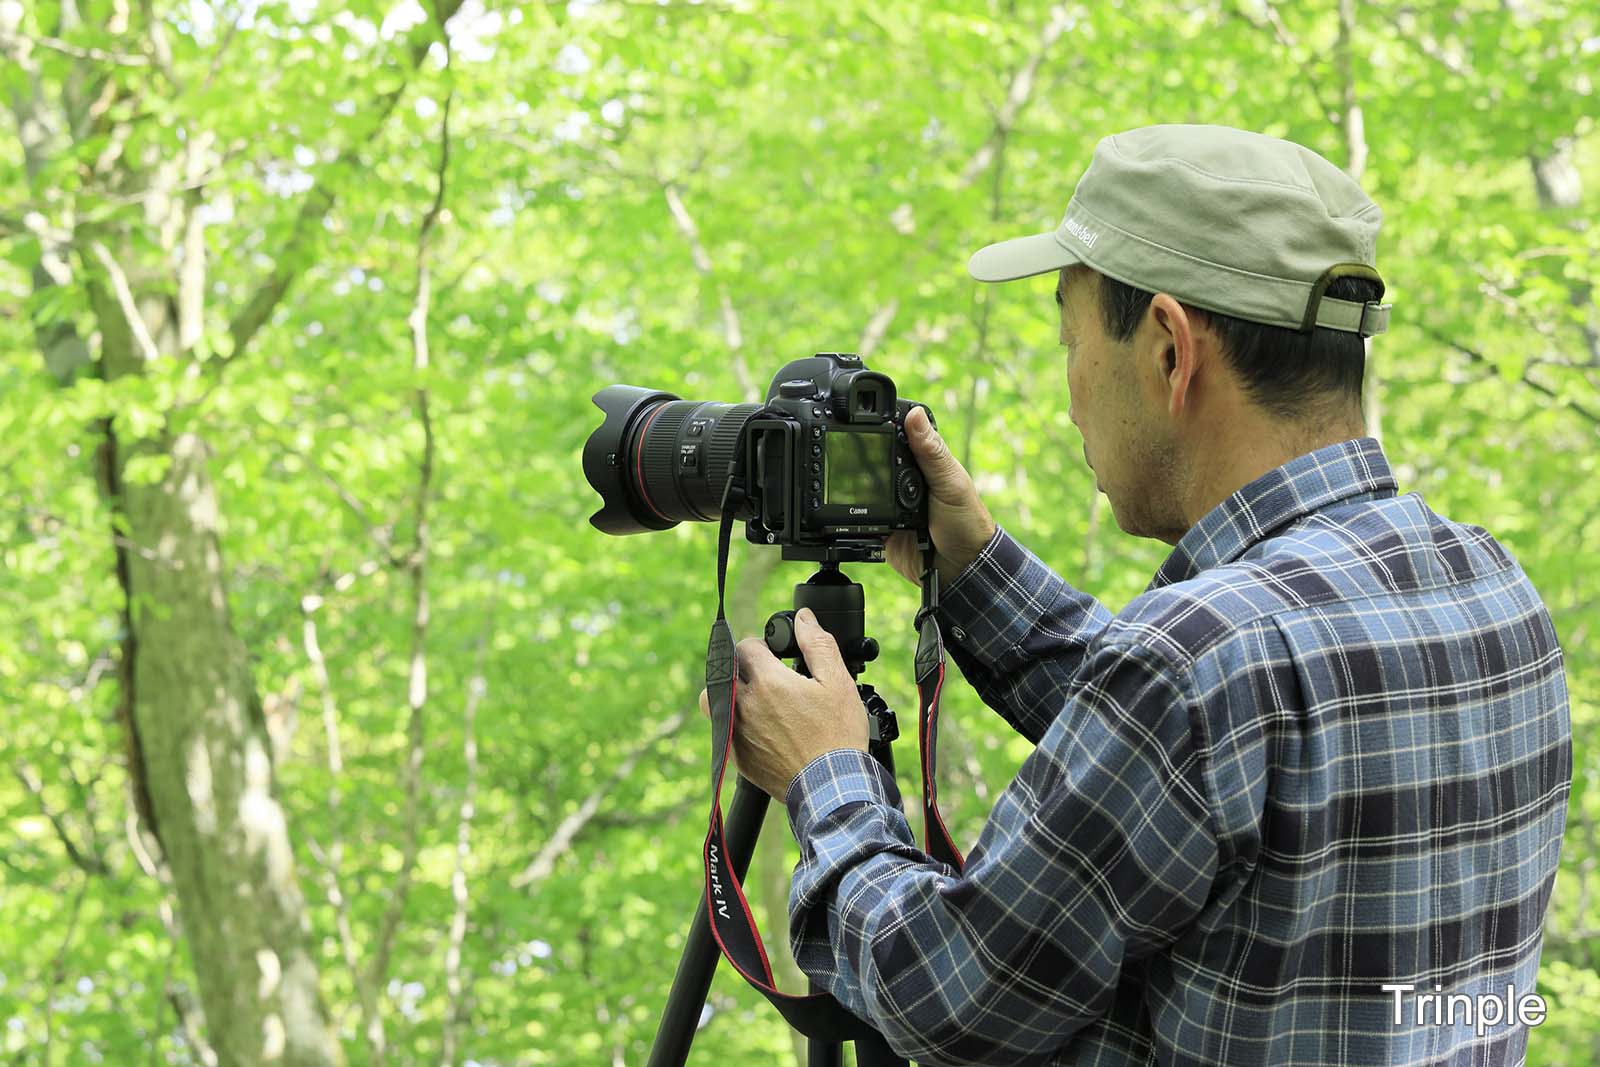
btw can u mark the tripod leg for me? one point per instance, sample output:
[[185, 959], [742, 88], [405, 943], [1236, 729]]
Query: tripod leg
[[875, 1052], [681, 1017], [821, 1053]]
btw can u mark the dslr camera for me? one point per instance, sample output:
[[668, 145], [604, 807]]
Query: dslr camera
[[828, 473]]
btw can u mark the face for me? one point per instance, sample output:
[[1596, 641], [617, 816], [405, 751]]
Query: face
[[1117, 405]]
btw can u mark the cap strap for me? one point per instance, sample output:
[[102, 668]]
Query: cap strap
[[1348, 315], [1366, 319]]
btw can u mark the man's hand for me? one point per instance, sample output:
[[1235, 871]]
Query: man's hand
[[957, 520], [782, 719]]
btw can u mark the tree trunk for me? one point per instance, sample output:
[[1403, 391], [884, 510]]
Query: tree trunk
[[207, 762], [209, 775], [198, 758]]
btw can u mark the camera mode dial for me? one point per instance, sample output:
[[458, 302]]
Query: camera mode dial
[[908, 487], [797, 388]]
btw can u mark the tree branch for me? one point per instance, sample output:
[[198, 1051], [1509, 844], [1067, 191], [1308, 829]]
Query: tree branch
[[1018, 94], [1404, 21], [381, 536], [332, 858], [125, 303], [455, 1012], [12, 42], [1355, 141], [544, 862], [58, 968], [1355, 148], [1539, 387], [417, 687], [877, 326], [192, 262], [89, 862], [1287, 40], [42, 131], [732, 336], [289, 261]]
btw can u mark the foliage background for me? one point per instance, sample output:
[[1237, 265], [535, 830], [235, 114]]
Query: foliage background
[[683, 196]]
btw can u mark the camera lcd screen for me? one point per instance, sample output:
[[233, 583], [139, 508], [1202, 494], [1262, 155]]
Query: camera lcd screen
[[858, 470]]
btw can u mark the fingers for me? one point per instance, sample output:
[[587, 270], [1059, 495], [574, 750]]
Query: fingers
[[901, 549], [755, 658], [821, 651], [932, 454]]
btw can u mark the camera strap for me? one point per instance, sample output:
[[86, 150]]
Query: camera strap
[[816, 1015]]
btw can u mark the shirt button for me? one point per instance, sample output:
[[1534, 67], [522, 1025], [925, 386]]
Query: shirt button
[[958, 633]]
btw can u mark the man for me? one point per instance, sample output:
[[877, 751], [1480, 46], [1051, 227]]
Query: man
[[1306, 789]]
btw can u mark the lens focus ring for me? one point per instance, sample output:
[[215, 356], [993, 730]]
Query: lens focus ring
[[657, 487], [720, 452]]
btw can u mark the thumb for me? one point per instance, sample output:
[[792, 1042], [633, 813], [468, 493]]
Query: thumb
[[821, 651], [933, 455]]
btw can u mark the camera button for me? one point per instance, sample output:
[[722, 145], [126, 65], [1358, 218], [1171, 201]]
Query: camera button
[[816, 450], [815, 503], [816, 486], [816, 432], [958, 633]]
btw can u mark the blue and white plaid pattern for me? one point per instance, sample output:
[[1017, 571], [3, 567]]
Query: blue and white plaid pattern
[[1326, 750]]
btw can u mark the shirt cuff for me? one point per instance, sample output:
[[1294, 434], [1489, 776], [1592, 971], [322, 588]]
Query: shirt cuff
[[833, 780], [997, 598]]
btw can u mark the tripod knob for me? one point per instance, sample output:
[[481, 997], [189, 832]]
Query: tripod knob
[[780, 638], [780, 635], [866, 650]]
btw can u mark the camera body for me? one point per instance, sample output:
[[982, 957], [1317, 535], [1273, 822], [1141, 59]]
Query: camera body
[[828, 472], [835, 469]]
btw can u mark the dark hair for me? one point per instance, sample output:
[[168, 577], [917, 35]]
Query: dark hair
[[1289, 373]]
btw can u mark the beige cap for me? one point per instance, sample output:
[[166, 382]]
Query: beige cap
[[1224, 219]]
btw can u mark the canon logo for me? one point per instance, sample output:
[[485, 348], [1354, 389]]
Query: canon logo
[[858, 511]]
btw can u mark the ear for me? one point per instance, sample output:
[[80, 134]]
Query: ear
[[1175, 351]]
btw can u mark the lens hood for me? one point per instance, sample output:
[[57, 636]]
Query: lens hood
[[603, 454]]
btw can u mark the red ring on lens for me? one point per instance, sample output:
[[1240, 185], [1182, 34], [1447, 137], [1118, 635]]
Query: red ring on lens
[[638, 475]]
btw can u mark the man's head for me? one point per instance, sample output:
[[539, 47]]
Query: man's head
[[1164, 393], [1215, 287]]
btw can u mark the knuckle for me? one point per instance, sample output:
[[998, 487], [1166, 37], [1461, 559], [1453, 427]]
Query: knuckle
[[824, 642], [746, 656]]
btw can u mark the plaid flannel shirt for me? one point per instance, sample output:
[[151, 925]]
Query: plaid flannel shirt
[[1326, 750]]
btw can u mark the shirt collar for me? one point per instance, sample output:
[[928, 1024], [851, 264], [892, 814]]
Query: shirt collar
[[1305, 484]]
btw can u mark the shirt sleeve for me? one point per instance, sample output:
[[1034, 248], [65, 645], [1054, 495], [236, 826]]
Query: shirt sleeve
[[1101, 851], [1018, 632]]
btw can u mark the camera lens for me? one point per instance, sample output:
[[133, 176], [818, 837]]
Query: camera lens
[[657, 460]]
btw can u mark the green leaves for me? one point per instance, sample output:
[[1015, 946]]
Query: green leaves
[[831, 158]]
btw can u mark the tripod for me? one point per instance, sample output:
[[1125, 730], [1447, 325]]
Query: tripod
[[839, 605]]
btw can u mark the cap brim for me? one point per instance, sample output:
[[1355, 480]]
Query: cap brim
[[1020, 257]]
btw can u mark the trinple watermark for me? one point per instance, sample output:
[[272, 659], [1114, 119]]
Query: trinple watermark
[[1482, 1011]]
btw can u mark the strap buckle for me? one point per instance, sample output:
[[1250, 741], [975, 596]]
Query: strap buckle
[[930, 587], [1380, 319]]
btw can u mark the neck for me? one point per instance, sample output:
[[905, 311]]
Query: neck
[[1243, 449]]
